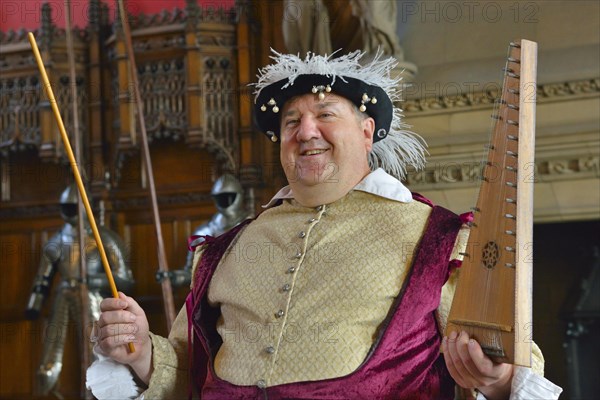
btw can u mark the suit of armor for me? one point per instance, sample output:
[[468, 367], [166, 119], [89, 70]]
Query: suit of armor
[[62, 254], [228, 195]]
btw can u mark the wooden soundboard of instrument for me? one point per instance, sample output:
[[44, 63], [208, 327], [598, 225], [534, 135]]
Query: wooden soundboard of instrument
[[493, 299]]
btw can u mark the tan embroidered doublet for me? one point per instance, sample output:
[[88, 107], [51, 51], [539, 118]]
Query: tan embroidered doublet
[[303, 290]]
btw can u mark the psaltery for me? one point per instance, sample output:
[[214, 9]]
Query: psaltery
[[493, 299]]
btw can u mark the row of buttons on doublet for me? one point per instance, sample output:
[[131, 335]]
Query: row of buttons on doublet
[[292, 269]]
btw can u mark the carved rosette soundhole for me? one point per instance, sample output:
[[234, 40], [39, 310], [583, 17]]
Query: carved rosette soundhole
[[490, 255]]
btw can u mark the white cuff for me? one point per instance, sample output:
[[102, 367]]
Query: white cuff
[[108, 379], [527, 385]]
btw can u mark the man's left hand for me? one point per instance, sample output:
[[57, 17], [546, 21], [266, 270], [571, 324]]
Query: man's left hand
[[470, 368]]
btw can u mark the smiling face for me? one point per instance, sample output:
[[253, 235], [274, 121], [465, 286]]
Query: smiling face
[[324, 144]]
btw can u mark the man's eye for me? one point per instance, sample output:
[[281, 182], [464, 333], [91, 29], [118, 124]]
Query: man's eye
[[291, 122], [325, 115]]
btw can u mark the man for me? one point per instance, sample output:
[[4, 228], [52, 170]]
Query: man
[[333, 292]]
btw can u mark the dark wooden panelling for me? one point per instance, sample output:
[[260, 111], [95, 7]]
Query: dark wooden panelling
[[19, 344], [31, 178], [186, 158]]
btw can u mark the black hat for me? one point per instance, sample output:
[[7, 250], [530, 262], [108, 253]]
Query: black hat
[[369, 99], [370, 87]]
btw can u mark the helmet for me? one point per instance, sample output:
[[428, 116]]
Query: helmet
[[68, 204], [227, 194]]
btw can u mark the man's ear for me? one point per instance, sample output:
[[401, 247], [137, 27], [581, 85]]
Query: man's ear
[[368, 127]]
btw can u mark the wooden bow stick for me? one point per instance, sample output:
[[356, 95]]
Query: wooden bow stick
[[84, 198]]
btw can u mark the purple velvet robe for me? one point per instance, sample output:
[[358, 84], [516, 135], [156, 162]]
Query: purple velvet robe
[[403, 363]]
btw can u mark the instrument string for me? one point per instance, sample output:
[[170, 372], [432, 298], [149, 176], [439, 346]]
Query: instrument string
[[495, 174], [498, 161]]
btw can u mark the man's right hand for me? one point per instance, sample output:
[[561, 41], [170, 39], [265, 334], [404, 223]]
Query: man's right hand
[[123, 321]]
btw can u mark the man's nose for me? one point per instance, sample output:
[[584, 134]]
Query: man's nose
[[308, 129]]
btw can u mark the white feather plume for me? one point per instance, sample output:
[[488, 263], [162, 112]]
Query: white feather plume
[[400, 149]]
